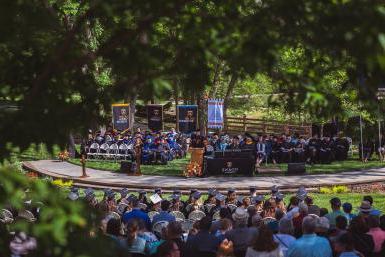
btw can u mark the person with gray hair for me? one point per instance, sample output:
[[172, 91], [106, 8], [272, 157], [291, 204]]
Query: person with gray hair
[[285, 236], [310, 245], [241, 235]]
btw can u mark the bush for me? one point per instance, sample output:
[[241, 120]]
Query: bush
[[334, 190], [61, 183]]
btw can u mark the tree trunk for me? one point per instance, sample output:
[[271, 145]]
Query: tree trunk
[[71, 146], [202, 112], [215, 84], [132, 101], [230, 89]]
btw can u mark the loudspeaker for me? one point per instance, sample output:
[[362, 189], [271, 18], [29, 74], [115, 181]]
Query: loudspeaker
[[296, 168], [125, 167]]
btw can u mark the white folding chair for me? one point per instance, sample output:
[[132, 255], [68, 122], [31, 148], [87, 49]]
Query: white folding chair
[[187, 225], [179, 216], [196, 215], [25, 214], [93, 150], [216, 216], [6, 216], [114, 151], [123, 149], [159, 226], [104, 151]]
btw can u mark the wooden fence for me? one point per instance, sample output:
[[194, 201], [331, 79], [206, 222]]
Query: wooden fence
[[235, 125]]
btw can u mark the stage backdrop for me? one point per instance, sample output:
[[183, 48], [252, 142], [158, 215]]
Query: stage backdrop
[[121, 116], [215, 113], [155, 117], [187, 118]]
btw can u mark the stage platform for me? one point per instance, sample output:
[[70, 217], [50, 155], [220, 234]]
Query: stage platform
[[102, 179]]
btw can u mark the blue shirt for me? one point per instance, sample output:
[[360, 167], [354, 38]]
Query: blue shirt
[[310, 245], [137, 214], [348, 254], [163, 216]]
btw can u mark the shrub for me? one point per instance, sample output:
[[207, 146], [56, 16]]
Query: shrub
[[334, 190], [61, 183]]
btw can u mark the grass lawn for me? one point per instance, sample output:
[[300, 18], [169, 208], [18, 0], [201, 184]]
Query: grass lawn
[[352, 163], [174, 167]]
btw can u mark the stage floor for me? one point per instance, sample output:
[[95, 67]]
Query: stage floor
[[103, 179]]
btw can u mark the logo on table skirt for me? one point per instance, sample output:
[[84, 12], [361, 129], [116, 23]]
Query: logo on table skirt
[[229, 168]]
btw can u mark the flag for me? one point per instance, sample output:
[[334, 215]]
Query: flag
[[215, 113]]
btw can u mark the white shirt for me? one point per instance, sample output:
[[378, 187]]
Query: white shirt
[[275, 253]]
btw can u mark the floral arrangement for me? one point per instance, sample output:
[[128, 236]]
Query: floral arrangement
[[63, 156]]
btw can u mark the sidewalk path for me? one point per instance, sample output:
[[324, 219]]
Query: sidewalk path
[[100, 178]]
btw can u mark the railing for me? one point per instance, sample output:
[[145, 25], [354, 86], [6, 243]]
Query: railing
[[243, 124]]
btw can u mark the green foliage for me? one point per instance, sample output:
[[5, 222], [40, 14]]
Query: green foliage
[[334, 190]]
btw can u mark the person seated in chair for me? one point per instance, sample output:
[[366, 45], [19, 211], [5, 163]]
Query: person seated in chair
[[148, 153], [313, 147], [299, 151], [235, 143], [286, 148], [326, 150]]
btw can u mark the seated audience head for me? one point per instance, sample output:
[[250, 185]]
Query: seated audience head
[[347, 207], [165, 205], [114, 227], [335, 203], [345, 243], [225, 224], [285, 226], [323, 212], [264, 242], [341, 222], [309, 225], [224, 213], [205, 223], [322, 225], [358, 225], [373, 221], [256, 220], [240, 217], [174, 230], [368, 198], [132, 228]]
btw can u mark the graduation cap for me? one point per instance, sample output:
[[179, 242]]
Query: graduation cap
[[279, 196], [158, 191], [155, 198], [74, 194], [131, 197], [124, 192], [197, 195], [89, 191], [301, 193], [75, 190], [142, 192], [258, 198], [231, 190], [175, 197], [274, 189], [192, 191], [253, 189], [107, 191], [220, 197], [111, 194], [212, 192]]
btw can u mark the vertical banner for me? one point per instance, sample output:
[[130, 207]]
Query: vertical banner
[[187, 118], [155, 117], [121, 116], [215, 113]]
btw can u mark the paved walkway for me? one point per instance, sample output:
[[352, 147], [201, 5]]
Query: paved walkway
[[99, 178]]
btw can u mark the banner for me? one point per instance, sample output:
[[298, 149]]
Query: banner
[[155, 117], [215, 113], [121, 116], [187, 118]]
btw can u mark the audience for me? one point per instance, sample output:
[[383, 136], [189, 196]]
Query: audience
[[258, 226]]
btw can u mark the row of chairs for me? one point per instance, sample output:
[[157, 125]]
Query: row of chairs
[[106, 151], [6, 216]]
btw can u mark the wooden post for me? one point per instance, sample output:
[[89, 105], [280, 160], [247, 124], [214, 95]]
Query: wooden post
[[244, 123]]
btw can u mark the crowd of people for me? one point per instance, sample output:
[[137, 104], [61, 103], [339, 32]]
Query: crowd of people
[[161, 147], [241, 226]]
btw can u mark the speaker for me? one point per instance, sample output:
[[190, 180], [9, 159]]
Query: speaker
[[125, 167], [296, 168]]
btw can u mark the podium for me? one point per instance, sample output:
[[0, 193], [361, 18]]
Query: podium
[[194, 167]]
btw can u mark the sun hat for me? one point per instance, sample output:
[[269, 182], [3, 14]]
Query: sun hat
[[365, 207]]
